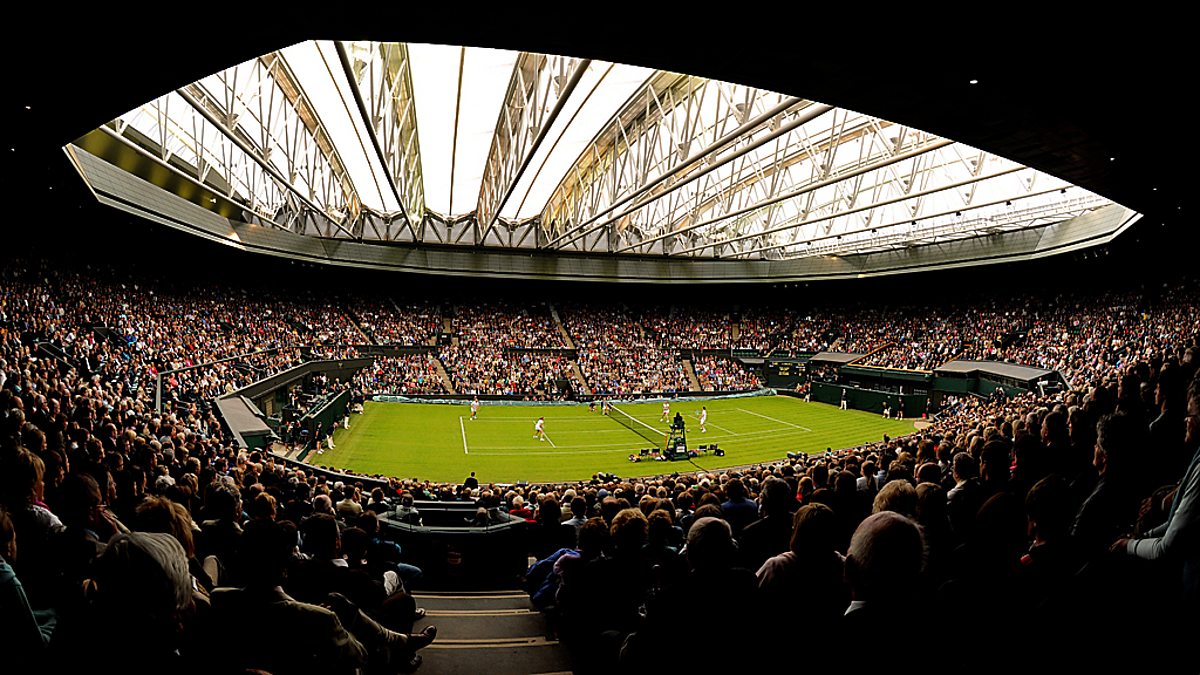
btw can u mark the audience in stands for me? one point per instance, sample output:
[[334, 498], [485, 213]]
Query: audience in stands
[[618, 356], [717, 373], [509, 372], [1064, 514], [386, 323], [402, 375]]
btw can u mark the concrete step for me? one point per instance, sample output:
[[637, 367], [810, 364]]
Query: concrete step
[[494, 632], [690, 371], [358, 327], [492, 602], [562, 330], [585, 386], [445, 376]]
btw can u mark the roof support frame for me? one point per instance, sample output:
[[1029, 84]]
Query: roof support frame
[[257, 157]]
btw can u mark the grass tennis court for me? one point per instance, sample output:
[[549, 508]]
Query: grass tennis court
[[440, 442]]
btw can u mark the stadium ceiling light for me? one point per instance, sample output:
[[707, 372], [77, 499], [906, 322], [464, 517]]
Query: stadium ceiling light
[[974, 81]]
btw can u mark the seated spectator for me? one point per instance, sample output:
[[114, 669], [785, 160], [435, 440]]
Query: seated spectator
[[1111, 508], [883, 564], [26, 632], [600, 600], [714, 586], [140, 595], [1053, 558], [737, 510], [1173, 542], [769, 535], [22, 491], [808, 576], [159, 514], [294, 636]]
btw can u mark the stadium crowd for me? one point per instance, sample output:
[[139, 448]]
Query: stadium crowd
[[1048, 516], [693, 328], [528, 375], [617, 355], [497, 325], [811, 333], [401, 375], [717, 373], [1086, 337], [761, 329], [1017, 517], [387, 323]]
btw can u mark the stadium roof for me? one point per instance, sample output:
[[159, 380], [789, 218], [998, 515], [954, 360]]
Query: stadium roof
[[1058, 115]]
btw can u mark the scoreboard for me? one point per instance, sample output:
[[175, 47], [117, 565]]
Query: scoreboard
[[785, 374]]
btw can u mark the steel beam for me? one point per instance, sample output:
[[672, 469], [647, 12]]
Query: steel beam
[[810, 113], [792, 194], [348, 70], [258, 159]]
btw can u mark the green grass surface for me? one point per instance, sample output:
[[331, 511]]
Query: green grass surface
[[440, 442]]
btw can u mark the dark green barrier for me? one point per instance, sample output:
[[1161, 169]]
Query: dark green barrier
[[886, 374], [327, 415], [869, 399], [987, 386], [956, 385]]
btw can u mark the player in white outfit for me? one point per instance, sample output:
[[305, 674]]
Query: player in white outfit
[[703, 419], [539, 430], [666, 412], [474, 407]]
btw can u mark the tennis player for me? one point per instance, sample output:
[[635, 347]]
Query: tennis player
[[703, 419], [539, 429], [666, 412], [474, 407]]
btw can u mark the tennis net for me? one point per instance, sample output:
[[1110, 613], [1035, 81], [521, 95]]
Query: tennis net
[[658, 438]]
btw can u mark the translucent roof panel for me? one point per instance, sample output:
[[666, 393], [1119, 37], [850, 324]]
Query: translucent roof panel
[[485, 78], [435, 91], [601, 93], [451, 145]]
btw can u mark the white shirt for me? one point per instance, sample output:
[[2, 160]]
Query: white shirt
[[703, 416], [538, 425]]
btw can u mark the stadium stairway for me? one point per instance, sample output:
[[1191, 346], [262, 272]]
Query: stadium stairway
[[690, 371], [494, 632], [562, 329], [578, 372], [445, 376], [354, 321], [886, 347]]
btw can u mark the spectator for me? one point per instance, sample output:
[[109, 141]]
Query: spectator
[[883, 563]]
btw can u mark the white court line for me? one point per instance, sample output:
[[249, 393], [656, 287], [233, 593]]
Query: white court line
[[708, 437], [545, 436], [464, 434], [716, 426], [796, 426], [625, 447]]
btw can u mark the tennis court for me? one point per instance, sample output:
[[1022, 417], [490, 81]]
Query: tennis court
[[440, 442]]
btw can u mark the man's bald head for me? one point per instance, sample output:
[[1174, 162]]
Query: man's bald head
[[886, 555]]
